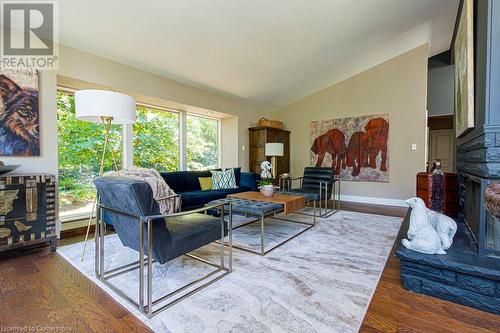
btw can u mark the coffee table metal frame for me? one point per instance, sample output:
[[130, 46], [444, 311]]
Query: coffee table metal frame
[[271, 215]]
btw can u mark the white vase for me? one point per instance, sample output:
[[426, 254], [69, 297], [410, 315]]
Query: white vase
[[267, 190]]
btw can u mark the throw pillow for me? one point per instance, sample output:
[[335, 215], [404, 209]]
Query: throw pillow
[[223, 179], [205, 183], [237, 175]]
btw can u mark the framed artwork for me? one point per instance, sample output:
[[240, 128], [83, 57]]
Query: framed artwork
[[464, 70], [19, 121], [355, 147]]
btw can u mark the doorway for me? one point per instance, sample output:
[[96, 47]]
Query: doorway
[[441, 142]]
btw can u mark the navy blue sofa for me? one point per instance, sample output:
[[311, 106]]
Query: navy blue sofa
[[187, 185]]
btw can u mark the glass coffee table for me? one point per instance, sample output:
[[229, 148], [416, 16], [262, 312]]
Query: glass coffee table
[[256, 205]]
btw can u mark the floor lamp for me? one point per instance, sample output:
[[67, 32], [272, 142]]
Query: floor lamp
[[274, 149], [106, 108]]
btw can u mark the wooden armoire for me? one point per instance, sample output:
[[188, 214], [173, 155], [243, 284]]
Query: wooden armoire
[[259, 136]]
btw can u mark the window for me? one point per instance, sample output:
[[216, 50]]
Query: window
[[201, 143], [80, 147], [156, 144], [156, 139]]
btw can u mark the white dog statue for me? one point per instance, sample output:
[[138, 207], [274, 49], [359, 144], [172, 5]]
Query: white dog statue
[[422, 237], [444, 225]]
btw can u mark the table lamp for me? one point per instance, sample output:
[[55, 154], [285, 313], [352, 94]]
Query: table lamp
[[274, 149], [107, 108]]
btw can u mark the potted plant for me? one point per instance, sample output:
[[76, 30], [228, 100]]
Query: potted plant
[[266, 187]]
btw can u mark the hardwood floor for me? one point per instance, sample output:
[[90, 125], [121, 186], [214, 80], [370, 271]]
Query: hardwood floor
[[41, 289]]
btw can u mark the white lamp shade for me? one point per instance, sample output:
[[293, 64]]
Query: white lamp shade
[[274, 149], [92, 105]]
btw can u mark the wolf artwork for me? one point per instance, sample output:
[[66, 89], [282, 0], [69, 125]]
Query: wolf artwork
[[19, 123]]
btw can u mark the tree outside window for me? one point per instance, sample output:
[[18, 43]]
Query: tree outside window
[[201, 136], [80, 147]]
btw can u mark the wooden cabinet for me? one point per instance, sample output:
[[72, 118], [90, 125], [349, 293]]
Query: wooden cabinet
[[27, 210], [424, 191], [259, 136]]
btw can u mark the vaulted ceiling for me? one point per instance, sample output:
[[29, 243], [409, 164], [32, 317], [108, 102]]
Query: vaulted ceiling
[[265, 52]]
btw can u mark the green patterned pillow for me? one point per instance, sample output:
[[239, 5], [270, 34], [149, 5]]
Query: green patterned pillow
[[223, 179]]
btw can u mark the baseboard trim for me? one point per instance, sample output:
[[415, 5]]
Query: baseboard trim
[[374, 200]]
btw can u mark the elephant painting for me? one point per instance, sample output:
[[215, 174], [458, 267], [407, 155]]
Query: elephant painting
[[357, 147], [377, 133], [356, 153], [332, 142]]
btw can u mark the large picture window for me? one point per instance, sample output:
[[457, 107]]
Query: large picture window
[[156, 139], [80, 146], [155, 144], [201, 143]]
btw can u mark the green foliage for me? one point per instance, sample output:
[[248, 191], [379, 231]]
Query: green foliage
[[156, 139], [264, 182], [201, 138]]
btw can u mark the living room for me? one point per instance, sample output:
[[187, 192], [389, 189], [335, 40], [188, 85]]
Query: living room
[[250, 166]]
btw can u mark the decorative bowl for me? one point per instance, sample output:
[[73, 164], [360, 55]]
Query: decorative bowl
[[8, 168], [267, 190]]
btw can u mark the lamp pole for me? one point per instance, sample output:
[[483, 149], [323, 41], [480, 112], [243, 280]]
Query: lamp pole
[[106, 121]]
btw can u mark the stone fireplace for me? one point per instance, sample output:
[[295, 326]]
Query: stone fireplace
[[469, 273]]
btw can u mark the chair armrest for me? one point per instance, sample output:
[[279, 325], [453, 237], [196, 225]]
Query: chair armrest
[[193, 211], [160, 216], [168, 197]]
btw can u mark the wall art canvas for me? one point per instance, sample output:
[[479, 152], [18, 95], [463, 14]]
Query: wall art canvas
[[356, 147], [464, 70], [19, 122]]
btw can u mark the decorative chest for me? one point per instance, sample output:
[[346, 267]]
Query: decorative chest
[[450, 195], [27, 210]]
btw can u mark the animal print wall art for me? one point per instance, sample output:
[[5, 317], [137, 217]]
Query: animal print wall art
[[355, 147], [19, 122]]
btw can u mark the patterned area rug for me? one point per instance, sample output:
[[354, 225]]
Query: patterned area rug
[[321, 281]]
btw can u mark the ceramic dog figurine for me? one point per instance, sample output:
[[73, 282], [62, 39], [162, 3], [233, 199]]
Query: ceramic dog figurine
[[422, 237]]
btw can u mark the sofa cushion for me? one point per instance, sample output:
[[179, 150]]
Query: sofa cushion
[[196, 199], [205, 183], [190, 232], [183, 181], [249, 180]]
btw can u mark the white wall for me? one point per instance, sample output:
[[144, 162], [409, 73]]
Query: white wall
[[397, 87], [440, 92]]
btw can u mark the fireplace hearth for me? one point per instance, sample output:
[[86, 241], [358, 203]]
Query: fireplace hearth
[[461, 275]]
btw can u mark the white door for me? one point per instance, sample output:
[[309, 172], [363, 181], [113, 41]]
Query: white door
[[442, 147]]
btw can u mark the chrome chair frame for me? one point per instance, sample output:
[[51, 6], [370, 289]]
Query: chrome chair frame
[[147, 309], [324, 212]]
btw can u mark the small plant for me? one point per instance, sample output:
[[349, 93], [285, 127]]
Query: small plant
[[264, 182]]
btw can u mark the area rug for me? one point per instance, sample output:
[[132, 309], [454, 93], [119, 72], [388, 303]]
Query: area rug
[[321, 281]]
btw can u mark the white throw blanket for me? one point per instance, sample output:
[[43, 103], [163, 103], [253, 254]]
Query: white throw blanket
[[161, 191]]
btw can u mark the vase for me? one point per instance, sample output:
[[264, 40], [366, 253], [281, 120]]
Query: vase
[[267, 190]]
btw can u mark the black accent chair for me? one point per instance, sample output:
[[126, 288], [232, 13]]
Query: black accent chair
[[317, 183], [130, 206]]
